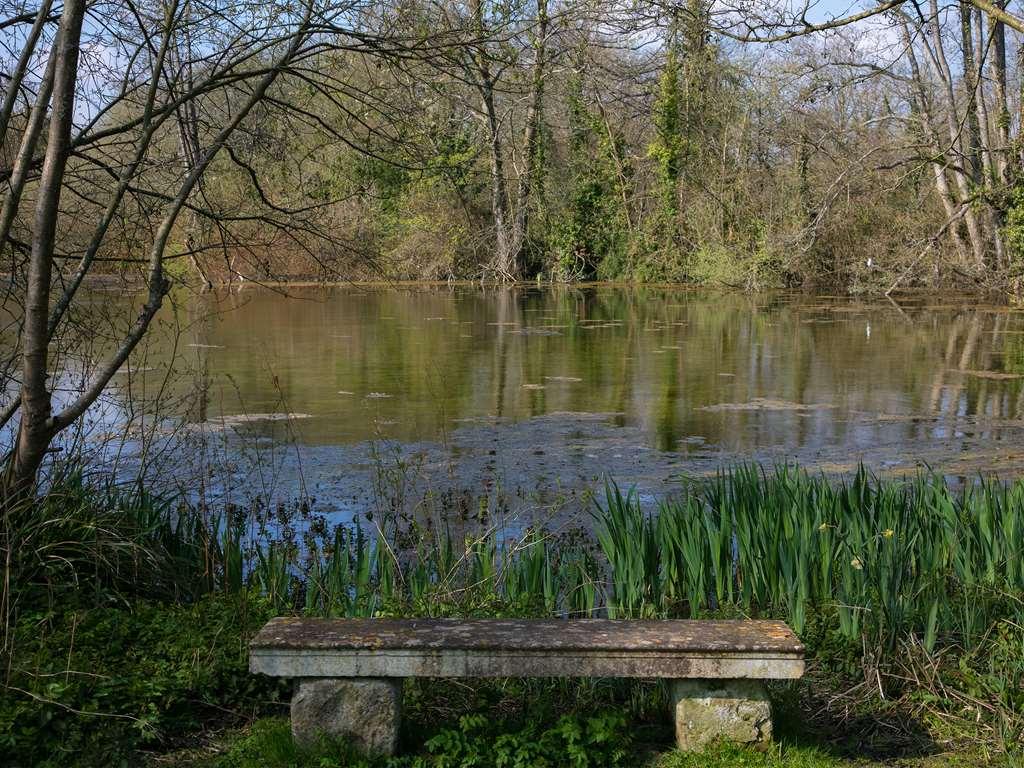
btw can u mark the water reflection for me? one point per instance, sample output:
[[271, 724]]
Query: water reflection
[[414, 363], [789, 375]]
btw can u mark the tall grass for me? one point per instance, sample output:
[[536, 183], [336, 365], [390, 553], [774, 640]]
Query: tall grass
[[84, 542], [890, 560], [903, 580]]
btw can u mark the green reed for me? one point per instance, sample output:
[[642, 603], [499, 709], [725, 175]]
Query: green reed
[[889, 560], [630, 542]]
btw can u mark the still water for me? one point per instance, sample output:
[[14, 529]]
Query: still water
[[550, 390]]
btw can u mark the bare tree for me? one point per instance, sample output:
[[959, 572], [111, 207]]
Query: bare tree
[[526, 32], [108, 122]]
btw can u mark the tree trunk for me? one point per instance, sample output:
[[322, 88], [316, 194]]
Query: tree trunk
[[923, 107], [998, 69], [504, 259], [534, 117], [959, 145], [981, 102], [992, 217], [972, 130], [36, 431], [38, 424]]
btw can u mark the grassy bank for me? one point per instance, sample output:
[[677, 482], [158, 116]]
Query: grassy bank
[[129, 617]]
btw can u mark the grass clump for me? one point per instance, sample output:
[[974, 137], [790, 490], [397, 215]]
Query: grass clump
[[269, 743], [731, 756]]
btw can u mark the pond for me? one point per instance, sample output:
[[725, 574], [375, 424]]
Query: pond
[[360, 396]]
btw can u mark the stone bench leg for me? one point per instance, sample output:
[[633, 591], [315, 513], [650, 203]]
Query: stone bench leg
[[730, 710], [365, 711]]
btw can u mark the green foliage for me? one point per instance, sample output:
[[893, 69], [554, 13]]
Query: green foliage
[[385, 181], [102, 539], [892, 574], [629, 540], [338, 580], [593, 232], [88, 687], [669, 144], [689, 177], [893, 560], [455, 152], [269, 744], [596, 741], [748, 263], [1014, 226]]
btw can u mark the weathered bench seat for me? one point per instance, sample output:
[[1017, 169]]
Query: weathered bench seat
[[349, 671]]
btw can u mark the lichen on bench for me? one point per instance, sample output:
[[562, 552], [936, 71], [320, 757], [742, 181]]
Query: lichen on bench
[[350, 670]]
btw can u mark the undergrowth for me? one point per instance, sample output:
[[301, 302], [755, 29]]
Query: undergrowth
[[127, 616]]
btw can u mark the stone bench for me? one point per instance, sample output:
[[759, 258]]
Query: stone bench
[[349, 671]]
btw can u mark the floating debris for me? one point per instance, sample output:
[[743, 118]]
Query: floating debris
[[533, 386], [570, 379], [224, 422], [377, 395], [345, 392], [897, 418], [206, 346], [997, 375], [529, 331], [767, 404]]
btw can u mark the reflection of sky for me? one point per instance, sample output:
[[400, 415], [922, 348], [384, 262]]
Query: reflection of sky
[[558, 387], [413, 365], [104, 432]]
